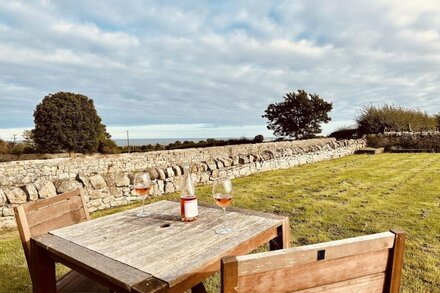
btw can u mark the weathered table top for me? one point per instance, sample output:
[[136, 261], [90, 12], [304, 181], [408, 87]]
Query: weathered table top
[[161, 245]]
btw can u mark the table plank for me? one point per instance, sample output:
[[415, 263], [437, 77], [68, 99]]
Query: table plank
[[172, 253], [108, 271]]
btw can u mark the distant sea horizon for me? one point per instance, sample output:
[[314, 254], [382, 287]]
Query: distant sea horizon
[[166, 141]]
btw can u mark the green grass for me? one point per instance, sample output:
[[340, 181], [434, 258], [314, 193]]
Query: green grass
[[330, 200]]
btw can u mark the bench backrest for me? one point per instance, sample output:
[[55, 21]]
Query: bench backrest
[[371, 263], [39, 217]]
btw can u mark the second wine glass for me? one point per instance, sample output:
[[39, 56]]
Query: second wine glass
[[142, 185], [222, 193]]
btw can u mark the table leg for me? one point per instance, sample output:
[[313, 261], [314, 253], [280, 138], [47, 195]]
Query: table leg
[[282, 240], [43, 269]]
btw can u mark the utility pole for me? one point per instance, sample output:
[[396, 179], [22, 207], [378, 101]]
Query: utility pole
[[14, 137], [128, 142]]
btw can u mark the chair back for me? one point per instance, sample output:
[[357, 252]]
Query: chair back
[[371, 263], [41, 216]]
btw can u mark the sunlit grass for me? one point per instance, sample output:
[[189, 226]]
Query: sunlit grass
[[330, 200]]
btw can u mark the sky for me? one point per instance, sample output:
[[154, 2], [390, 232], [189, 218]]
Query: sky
[[170, 69]]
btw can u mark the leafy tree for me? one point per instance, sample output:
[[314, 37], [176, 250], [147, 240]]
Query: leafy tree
[[106, 145], [68, 122], [299, 115]]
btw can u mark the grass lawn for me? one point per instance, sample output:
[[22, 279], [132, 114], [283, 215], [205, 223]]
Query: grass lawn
[[330, 200]]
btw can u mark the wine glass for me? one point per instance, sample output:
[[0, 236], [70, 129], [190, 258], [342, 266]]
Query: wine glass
[[142, 186], [222, 193]]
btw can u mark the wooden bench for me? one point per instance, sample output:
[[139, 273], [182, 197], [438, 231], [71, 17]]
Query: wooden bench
[[370, 263]]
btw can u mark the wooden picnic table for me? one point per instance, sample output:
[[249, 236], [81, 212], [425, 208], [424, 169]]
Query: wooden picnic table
[[159, 253]]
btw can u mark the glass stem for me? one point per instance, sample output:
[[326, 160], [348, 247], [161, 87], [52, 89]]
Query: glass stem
[[143, 204], [224, 218]]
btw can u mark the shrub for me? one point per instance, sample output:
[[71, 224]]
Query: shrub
[[374, 119], [18, 149], [4, 147], [258, 138], [345, 132]]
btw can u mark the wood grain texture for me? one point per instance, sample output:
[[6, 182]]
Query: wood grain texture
[[25, 235], [103, 269], [173, 253], [282, 240], [75, 282], [368, 284], [49, 201], [316, 274], [371, 263], [214, 264], [39, 217], [229, 274], [44, 280], [267, 261], [398, 251]]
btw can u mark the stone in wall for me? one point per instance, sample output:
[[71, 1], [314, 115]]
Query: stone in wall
[[211, 165], [83, 179], [121, 180], [161, 174], [219, 164], [242, 159], [194, 168], [153, 172], [7, 223], [169, 187], [170, 172], [227, 162], [100, 193], [8, 211], [31, 191], [2, 198], [66, 185], [97, 182], [116, 192], [214, 173], [160, 186], [177, 171], [16, 195], [203, 167], [204, 178], [109, 179], [45, 188]]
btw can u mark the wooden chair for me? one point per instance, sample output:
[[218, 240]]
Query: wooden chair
[[41, 216], [370, 263]]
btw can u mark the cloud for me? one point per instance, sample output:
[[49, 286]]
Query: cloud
[[216, 63]]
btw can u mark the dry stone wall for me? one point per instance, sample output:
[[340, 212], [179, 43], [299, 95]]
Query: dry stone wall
[[107, 179], [426, 140]]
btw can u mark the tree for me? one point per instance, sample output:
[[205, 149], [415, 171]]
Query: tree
[[298, 116], [68, 122], [106, 145]]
